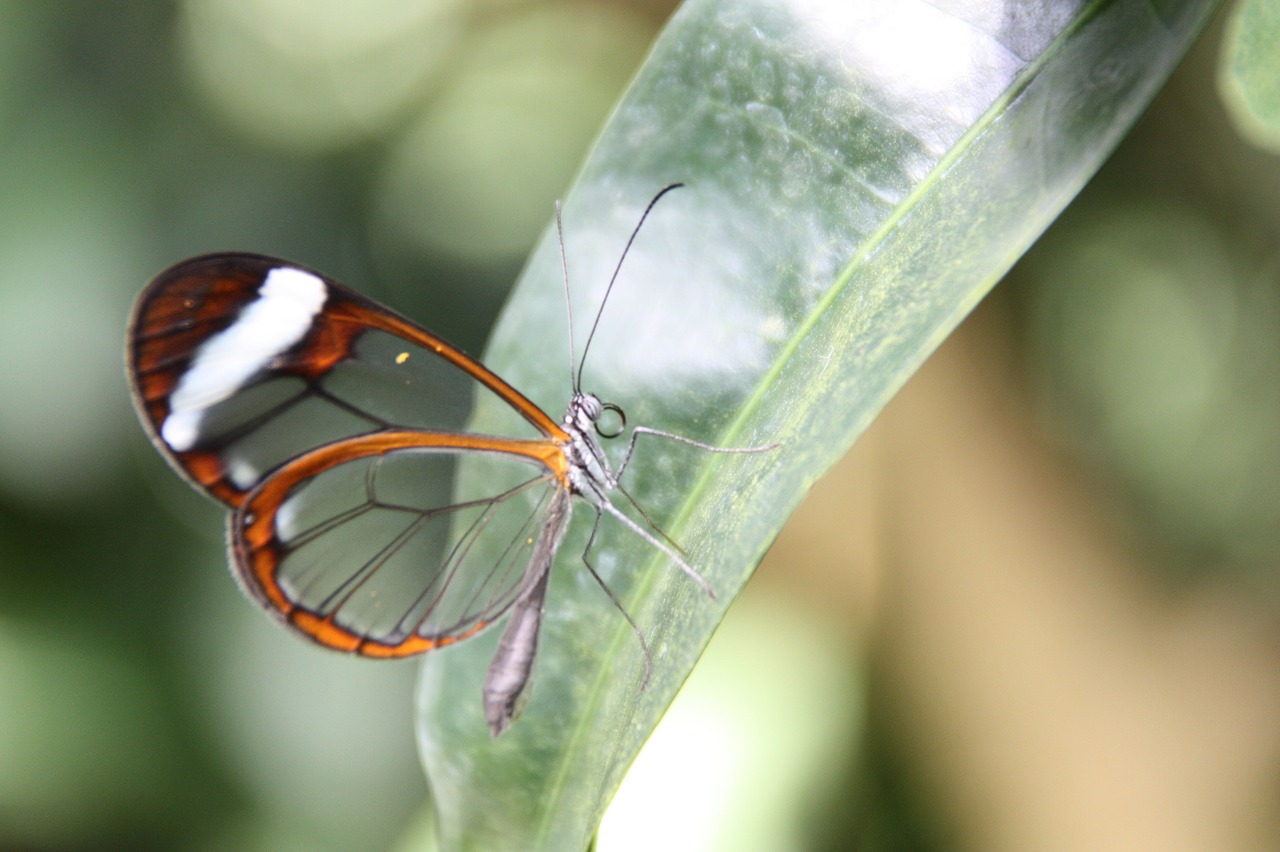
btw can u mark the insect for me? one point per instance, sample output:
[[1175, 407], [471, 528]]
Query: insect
[[333, 429]]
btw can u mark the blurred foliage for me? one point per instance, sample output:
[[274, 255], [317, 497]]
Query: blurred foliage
[[1150, 312], [1154, 333], [1250, 74], [145, 705]]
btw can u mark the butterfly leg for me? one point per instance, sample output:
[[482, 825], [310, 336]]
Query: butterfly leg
[[626, 459], [645, 430], [644, 646], [653, 525], [660, 545]]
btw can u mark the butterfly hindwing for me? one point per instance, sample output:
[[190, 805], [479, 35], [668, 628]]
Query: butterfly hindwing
[[365, 544]]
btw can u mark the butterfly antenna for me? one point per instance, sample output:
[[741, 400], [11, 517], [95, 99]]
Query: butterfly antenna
[[578, 381], [568, 304]]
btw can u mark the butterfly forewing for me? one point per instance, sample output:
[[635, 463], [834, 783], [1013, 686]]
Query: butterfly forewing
[[241, 363]]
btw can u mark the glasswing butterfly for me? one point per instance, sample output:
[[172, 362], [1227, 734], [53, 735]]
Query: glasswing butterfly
[[333, 429]]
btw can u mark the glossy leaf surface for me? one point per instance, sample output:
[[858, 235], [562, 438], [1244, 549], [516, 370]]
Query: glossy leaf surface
[[859, 175]]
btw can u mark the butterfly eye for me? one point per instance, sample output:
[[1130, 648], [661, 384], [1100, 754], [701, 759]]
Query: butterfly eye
[[618, 414]]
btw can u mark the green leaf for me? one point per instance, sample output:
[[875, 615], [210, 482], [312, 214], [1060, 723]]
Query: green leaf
[[859, 174], [1249, 76]]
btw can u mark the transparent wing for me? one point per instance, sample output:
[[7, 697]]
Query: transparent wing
[[240, 363], [364, 546]]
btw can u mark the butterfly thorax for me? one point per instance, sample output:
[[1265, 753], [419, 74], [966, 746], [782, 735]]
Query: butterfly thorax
[[590, 474]]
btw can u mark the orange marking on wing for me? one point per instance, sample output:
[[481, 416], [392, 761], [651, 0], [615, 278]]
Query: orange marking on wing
[[208, 470], [325, 632]]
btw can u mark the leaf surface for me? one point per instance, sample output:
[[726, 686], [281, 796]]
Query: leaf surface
[[858, 176]]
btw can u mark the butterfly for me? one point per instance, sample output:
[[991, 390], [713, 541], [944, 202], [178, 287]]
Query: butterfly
[[334, 430]]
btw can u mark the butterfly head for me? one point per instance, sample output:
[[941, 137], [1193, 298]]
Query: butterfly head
[[585, 411]]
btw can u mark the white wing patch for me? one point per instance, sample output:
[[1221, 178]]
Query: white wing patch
[[287, 304]]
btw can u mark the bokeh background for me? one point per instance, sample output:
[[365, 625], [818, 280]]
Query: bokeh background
[[1035, 608]]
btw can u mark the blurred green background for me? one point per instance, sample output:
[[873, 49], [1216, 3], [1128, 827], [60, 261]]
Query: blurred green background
[[1036, 607]]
